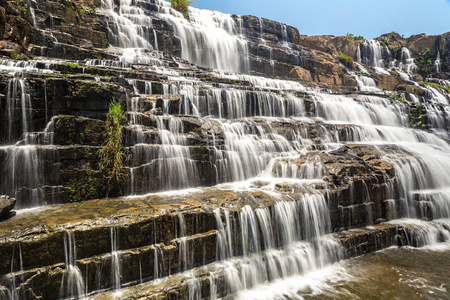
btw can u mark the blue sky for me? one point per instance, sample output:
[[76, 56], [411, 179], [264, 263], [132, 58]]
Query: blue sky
[[337, 17]]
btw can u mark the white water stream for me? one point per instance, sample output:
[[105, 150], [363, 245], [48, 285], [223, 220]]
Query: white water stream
[[249, 128]]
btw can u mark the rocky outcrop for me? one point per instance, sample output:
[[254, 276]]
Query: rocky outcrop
[[336, 45], [387, 82], [301, 74], [6, 207], [147, 233]]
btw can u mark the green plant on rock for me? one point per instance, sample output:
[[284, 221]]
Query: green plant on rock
[[396, 97], [23, 9], [435, 85], [112, 155], [424, 55], [85, 188], [346, 60], [355, 37], [72, 66], [88, 11], [14, 54], [384, 43], [181, 6]]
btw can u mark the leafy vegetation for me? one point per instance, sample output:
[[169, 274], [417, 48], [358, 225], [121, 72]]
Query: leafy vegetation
[[435, 85], [355, 37], [112, 154], [88, 11], [85, 188], [14, 54], [384, 42], [72, 66], [396, 97], [424, 59], [182, 6], [424, 55], [23, 9], [346, 60]]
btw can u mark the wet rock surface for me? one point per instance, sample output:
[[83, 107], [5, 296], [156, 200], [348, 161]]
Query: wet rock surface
[[6, 207], [251, 149]]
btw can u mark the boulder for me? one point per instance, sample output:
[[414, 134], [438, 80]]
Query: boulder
[[330, 44], [420, 42], [327, 70], [392, 40], [349, 81], [411, 89], [301, 74], [6, 207], [387, 82]]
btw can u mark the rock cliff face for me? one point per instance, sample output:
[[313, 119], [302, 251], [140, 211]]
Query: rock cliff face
[[276, 170]]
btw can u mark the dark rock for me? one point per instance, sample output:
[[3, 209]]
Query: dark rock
[[6, 206]]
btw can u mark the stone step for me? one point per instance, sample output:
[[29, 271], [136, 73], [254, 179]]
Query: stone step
[[202, 280], [94, 237], [133, 266]]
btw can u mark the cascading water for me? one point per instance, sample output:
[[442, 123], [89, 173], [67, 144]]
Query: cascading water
[[129, 26], [209, 38], [286, 240], [72, 284], [20, 175], [371, 53], [437, 62], [251, 131], [115, 259], [15, 290], [366, 84]]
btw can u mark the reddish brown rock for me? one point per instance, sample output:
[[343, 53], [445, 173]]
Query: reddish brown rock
[[301, 74], [388, 82], [330, 44]]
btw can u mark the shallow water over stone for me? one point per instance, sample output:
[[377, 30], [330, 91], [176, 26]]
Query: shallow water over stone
[[395, 273], [280, 179]]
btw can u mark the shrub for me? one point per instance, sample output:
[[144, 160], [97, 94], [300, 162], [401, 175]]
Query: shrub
[[396, 97], [435, 85], [88, 187], [112, 154], [182, 6], [424, 56], [88, 11], [72, 66], [13, 54], [355, 37], [346, 60]]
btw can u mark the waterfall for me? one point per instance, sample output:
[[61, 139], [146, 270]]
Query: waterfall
[[18, 99], [129, 26], [158, 263], [209, 38], [299, 227], [370, 53], [20, 173], [182, 235], [366, 84], [264, 147], [16, 288], [406, 62], [72, 284], [437, 62], [115, 259], [373, 54]]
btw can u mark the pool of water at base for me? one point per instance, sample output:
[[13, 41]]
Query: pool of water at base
[[395, 273]]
